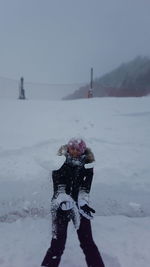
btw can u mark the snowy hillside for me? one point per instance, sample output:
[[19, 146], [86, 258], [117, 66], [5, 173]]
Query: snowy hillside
[[118, 131], [129, 79]]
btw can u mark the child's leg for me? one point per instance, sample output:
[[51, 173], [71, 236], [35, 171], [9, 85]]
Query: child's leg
[[92, 255], [54, 253]]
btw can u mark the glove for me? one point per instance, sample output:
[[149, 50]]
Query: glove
[[66, 205], [86, 211]]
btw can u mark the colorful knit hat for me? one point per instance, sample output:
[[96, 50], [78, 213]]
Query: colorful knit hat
[[77, 143]]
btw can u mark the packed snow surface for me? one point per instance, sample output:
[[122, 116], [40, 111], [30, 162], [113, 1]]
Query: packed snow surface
[[118, 132]]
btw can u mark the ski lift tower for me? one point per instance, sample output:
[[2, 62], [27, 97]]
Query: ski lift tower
[[90, 91], [21, 89]]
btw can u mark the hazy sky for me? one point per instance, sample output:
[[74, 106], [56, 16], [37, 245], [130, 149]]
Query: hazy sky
[[58, 41]]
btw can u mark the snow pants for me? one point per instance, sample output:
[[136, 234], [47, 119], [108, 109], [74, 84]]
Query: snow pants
[[90, 250]]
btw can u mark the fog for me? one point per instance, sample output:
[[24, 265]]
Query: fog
[[55, 41]]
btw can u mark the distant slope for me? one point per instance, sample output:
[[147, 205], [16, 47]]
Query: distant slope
[[129, 79]]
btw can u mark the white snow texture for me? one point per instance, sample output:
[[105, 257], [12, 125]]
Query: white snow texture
[[118, 132]]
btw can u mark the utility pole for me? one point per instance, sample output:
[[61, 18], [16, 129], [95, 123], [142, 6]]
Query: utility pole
[[90, 91], [21, 89]]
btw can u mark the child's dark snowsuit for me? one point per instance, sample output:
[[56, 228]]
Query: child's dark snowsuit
[[76, 181]]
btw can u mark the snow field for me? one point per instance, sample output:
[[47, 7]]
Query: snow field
[[118, 131]]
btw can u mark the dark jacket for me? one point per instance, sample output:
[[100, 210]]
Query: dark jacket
[[72, 182], [73, 178]]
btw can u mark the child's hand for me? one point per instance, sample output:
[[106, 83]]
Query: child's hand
[[86, 211], [66, 205]]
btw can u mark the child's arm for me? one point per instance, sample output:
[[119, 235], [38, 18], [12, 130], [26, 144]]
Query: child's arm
[[83, 198], [60, 198]]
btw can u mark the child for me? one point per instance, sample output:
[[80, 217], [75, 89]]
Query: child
[[72, 183]]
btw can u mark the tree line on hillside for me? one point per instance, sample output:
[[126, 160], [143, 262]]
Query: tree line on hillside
[[130, 79]]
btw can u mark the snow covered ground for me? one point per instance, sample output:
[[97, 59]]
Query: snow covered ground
[[118, 131]]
